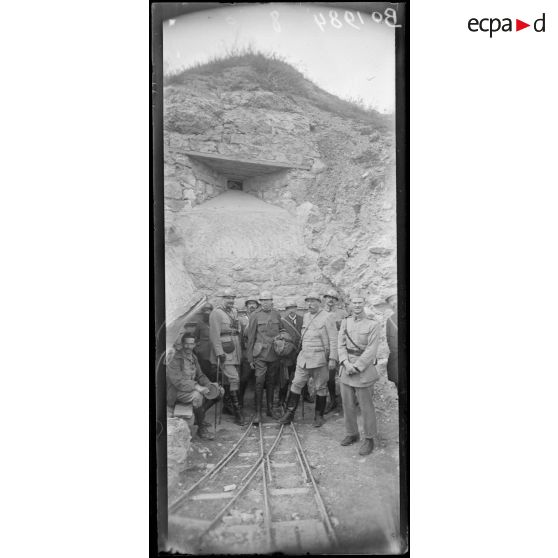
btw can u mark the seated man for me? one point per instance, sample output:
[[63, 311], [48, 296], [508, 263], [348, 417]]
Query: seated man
[[186, 383]]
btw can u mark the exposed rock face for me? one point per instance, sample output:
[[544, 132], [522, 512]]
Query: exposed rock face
[[325, 213]]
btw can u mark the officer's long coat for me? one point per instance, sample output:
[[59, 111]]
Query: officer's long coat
[[365, 332], [262, 329], [319, 340], [224, 326]]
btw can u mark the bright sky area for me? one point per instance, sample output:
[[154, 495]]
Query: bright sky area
[[345, 52]]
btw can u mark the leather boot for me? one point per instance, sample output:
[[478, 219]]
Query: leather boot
[[319, 412], [203, 430], [292, 404], [227, 403], [306, 394], [239, 418], [283, 395], [269, 393], [332, 397], [258, 395], [366, 447]]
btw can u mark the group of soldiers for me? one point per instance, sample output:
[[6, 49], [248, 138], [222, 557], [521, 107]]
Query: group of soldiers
[[282, 354]]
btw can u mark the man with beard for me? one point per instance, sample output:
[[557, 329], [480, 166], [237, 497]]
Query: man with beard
[[224, 338], [246, 371], [264, 325], [358, 343], [318, 355], [187, 383], [330, 305]]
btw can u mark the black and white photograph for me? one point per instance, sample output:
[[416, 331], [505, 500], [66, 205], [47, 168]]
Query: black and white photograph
[[278, 382]]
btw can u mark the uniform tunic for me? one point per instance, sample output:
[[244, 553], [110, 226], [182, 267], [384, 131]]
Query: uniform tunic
[[183, 375], [262, 329], [361, 352], [224, 328], [319, 344]]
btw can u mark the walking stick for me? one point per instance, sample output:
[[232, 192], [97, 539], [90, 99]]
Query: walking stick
[[220, 397]]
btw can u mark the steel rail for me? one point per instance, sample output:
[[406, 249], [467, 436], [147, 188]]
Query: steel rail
[[267, 508], [248, 477], [209, 474], [317, 495]]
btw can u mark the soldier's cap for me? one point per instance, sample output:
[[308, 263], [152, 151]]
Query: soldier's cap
[[186, 339], [251, 300], [357, 296], [266, 295], [291, 304], [313, 295], [332, 294]]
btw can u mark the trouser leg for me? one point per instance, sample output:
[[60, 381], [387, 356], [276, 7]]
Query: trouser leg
[[260, 372], [331, 389], [349, 409], [365, 397]]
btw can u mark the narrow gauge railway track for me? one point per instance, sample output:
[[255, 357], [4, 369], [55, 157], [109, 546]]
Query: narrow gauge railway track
[[273, 505]]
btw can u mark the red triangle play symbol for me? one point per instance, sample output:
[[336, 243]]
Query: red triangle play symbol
[[519, 25]]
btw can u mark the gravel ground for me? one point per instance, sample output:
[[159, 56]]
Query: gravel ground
[[361, 494]]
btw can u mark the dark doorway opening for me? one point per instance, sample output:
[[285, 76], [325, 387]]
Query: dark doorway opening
[[234, 184]]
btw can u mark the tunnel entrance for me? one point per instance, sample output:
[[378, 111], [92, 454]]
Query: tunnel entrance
[[235, 185]]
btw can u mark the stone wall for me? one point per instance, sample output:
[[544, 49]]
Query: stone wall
[[339, 224]]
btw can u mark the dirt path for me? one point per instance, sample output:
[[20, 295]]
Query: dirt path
[[361, 494]]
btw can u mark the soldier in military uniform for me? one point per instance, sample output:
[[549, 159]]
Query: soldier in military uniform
[[358, 343], [224, 338], [246, 371], [187, 383], [318, 355], [331, 301], [264, 325], [292, 324]]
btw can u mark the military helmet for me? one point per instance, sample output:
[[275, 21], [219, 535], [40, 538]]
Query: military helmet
[[357, 295], [266, 295], [332, 294], [313, 295], [291, 304], [226, 292], [251, 300]]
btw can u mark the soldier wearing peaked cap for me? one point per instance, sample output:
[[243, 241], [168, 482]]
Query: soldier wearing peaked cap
[[264, 326], [224, 337], [318, 355], [358, 343], [330, 305], [292, 324]]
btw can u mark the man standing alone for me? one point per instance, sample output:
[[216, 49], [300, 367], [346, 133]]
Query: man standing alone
[[317, 356], [358, 343]]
